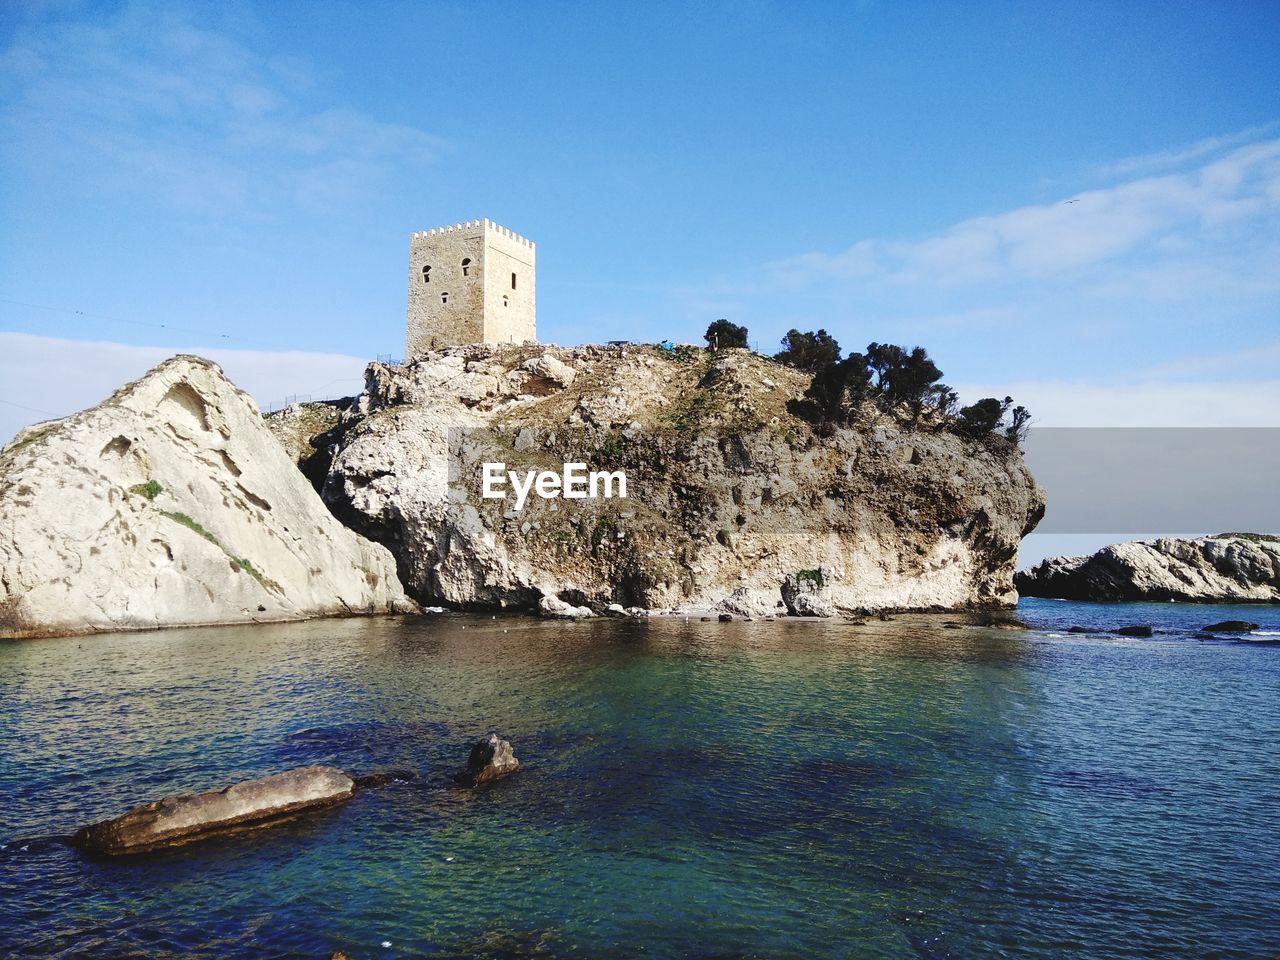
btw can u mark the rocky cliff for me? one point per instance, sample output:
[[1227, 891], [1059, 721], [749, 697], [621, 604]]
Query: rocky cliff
[[1228, 568], [171, 503], [728, 493]]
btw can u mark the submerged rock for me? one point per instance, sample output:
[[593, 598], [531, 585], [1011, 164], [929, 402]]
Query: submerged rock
[[170, 503], [1230, 626], [251, 803], [1135, 630], [490, 759], [384, 777], [1228, 568]]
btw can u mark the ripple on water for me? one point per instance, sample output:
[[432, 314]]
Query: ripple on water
[[695, 790]]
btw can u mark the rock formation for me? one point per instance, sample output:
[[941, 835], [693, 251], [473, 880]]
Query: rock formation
[[490, 759], [728, 492], [188, 817], [1230, 626], [1228, 568], [170, 503], [805, 594]]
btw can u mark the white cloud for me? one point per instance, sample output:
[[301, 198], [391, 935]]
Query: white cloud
[[149, 103], [1179, 156], [1174, 218], [47, 377], [1140, 404]]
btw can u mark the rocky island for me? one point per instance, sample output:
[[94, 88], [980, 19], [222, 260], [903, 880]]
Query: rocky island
[[1227, 568], [730, 491], [172, 503]]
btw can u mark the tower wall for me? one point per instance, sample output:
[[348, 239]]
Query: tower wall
[[510, 312], [478, 304], [434, 322]]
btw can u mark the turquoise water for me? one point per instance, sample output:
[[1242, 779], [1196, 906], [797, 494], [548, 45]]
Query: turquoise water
[[776, 790]]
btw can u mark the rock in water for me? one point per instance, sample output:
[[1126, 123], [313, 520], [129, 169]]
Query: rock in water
[[251, 803], [806, 594], [552, 606], [491, 759], [749, 603], [168, 504], [1135, 630], [1228, 568], [1230, 626]]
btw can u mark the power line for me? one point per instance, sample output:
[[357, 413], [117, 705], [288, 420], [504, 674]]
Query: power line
[[10, 403], [143, 323]]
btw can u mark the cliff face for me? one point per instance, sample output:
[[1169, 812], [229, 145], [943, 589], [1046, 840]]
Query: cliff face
[[728, 493], [1223, 569], [170, 503]]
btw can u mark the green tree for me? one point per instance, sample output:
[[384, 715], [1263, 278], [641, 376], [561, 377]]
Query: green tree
[[808, 351], [908, 377], [1019, 423], [983, 417], [722, 333], [835, 392]]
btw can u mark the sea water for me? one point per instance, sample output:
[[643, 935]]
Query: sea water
[[689, 789]]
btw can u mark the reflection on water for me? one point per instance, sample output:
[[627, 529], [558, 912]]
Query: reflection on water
[[895, 789]]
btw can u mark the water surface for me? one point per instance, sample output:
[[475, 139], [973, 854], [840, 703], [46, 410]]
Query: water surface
[[780, 790]]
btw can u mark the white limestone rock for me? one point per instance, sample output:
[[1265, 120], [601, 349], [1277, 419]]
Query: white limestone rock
[[549, 368], [553, 606], [168, 504], [1223, 569], [747, 603]]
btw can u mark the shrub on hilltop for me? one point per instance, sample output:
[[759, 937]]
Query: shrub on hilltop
[[808, 351], [721, 334], [898, 380]]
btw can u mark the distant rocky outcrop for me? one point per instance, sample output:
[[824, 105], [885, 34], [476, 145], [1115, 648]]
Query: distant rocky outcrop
[[1228, 568], [168, 504], [729, 492]]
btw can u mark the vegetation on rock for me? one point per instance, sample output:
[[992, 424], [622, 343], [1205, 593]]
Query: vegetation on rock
[[151, 489], [722, 334], [897, 380]]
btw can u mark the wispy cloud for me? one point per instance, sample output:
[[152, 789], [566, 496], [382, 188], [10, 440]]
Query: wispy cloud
[[151, 102], [1180, 156], [1098, 237], [48, 377]]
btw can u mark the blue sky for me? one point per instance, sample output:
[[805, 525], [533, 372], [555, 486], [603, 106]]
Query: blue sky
[[242, 178]]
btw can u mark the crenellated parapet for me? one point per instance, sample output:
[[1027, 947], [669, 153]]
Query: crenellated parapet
[[470, 282]]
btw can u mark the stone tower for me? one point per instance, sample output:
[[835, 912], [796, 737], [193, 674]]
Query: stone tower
[[473, 282]]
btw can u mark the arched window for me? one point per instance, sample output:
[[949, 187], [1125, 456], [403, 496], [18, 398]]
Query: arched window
[[466, 264], [426, 274], [505, 298], [513, 281], [444, 298]]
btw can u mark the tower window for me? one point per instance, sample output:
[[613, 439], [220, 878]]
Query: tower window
[[426, 274], [513, 281], [444, 298], [505, 298], [466, 264]]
